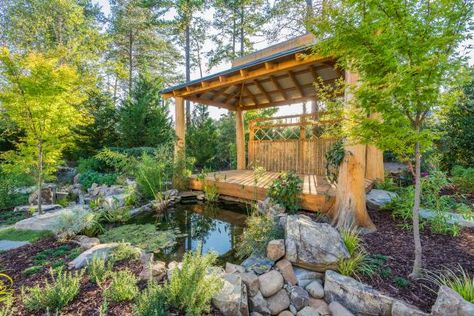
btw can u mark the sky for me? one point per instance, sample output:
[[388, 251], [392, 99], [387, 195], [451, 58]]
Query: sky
[[466, 49]]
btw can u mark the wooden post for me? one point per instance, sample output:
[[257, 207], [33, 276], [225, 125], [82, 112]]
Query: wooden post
[[180, 126], [301, 145], [374, 160], [240, 139], [350, 209], [251, 144]]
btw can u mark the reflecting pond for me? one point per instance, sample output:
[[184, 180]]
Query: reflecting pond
[[217, 227]]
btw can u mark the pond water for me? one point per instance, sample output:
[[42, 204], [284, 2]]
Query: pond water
[[216, 227]]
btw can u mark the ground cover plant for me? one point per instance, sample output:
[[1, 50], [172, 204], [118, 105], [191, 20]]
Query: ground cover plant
[[23, 234]]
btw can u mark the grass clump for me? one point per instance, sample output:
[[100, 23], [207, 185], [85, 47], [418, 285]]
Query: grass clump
[[32, 270], [53, 295], [191, 288], [401, 282], [98, 270], [123, 286], [151, 301], [458, 279], [24, 234], [261, 228], [124, 251], [358, 262]]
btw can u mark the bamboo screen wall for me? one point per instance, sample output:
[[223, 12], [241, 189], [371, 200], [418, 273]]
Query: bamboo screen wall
[[297, 142]]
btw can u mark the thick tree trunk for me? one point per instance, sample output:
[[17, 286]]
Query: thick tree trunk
[[40, 178], [416, 272], [188, 68]]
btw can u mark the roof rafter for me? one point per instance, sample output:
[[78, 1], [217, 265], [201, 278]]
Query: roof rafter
[[295, 82]]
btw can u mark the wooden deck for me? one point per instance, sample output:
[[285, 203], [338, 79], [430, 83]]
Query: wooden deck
[[317, 194]]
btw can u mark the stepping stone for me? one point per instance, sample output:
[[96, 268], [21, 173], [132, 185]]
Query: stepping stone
[[11, 244]]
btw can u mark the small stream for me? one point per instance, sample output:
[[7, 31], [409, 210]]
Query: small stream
[[217, 227]]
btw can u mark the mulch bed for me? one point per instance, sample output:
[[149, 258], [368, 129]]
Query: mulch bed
[[439, 252]]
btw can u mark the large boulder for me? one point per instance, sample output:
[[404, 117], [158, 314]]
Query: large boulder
[[312, 245], [87, 242], [100, 251], [450, 217], [232, 298], [276, 249], [270, 283], [450, 303], [358, 297], [402, 309], [278, 302], [48, 195], [47, 221], [34, 208], [377, 199]]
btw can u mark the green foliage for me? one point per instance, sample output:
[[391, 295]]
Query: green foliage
[[55, 294], [182, 169], [457, 279], [43, 257], [387, 184], [123, 286], [463, 179], [124, 251], [116, 161], [6, 308], [153, 172], [117, 214], [151, 301], [90, 177], [401, 282], [32, 270], [24, 234], [261, 228], [143, 236], [11, 217], [69, 224], [358, 262], [98, 270], [334, 157], [211, 193], [285, 190], [352, 240], [8, 198], [192, 287], [90, 164]]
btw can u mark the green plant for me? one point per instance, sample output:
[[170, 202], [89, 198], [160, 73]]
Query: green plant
[[145, 236], [85, 165], [440, 224], [463, 179], [32, 270], [98, 270], [334, 157], [24, 234], [352, 240], [78, 221], [53, 295], [192, 286], [285, 190], [358, 262], [387, 184], [10, 217], [124, 251], [182, 169], [6, 306], [457, 279], [211, 193], [117, 214], [152, 173], [401, 282], [123, 286], [8, 197], [90, 177], [261, 228], [151, 301]]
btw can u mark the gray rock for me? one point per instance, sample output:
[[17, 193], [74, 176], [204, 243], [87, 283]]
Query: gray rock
[[101, 251], [305, 277], [276, 249], [257, 264], [259, 304], [308, 311], [270, 283], [278, 302], [312, 245], [320, 305], [315, 289], [255, 314], [293, 309], [299, 298], [232, 298], [286, 313], [337, 309], [47, 221], [113, 201], [377, 199], [48, 195], [358, 297], [232, 268], [286, 269], [11, 244], [153, 270], [251, 281], [402, 309], [147, 208], [450, 303], [87, 242], [451, 218], [34, 208]]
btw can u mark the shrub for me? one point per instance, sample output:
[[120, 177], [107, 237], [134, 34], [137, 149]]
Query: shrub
[[117, 214], [123, 286], [358, 262], [286, 190], [98, 270], [463, 179], [182, 169], [401, 282], [387, 184], [152, 173], [85, 165], [53, 295], [259, 231], [151, 301], [124, 251], [192, 287], [90, 177], [143, 236], [76, 221], [8, 183], [459, 280], [6, 306]]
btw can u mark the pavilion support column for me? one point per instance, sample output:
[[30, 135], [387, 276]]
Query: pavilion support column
[[374, 160], [180, 127], [349, 209], [240, 139]]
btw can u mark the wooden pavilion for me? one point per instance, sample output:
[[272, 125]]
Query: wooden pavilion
[[282, 74]]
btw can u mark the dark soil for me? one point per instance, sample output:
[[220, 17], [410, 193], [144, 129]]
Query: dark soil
[[439, 252]]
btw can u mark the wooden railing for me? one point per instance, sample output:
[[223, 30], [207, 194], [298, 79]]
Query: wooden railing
[[294, 142]]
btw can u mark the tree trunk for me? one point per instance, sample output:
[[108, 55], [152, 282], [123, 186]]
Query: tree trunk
[[40, 177], [188, 68], [242, 48], [416, 272], [234, 34]]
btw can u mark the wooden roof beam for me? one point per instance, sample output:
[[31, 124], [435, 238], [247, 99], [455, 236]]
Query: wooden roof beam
[[250, 94], [262, 89], [219, 93], [295, 82], [278, 87]]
